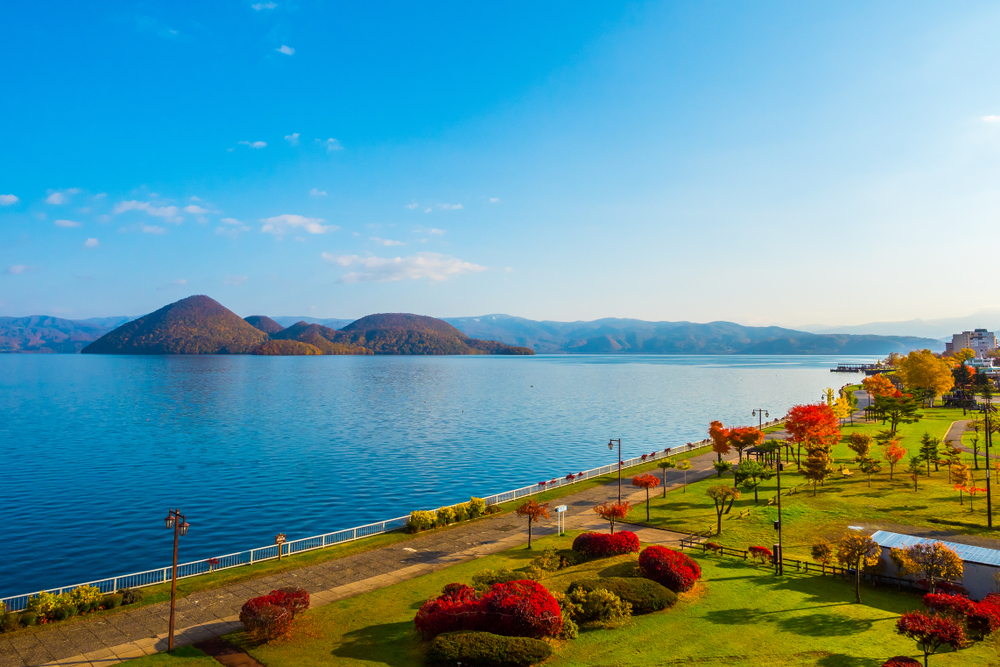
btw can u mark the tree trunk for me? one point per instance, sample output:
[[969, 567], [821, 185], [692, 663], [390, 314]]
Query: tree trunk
[[684, 490], [857, 583], [647, 504], [612, 526], [755, 492], [718, 512], [529, 532], [664, 482]]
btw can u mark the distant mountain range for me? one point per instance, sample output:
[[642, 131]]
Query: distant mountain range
[[942, 328], [395, 334]]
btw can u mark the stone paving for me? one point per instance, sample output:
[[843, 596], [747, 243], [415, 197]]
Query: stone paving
[[131, 633]]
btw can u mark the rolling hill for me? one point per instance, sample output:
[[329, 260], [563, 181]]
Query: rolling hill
[[42, 334], [329, 341], [195, 325], [264, 323], [404, 333]]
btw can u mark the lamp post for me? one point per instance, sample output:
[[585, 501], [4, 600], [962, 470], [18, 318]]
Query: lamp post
[[986, 409], [176, 521], [760, 413], [777, 524], [611, 446]]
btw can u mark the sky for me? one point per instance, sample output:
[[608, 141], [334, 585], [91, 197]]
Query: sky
[[764, 163]]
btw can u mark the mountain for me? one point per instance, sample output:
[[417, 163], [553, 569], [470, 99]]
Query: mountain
[[286, 348], [404, 333], [39, 333], [195, 325], [264, 323], [940, 328], [332, 322], [329, 341], [629, 336]]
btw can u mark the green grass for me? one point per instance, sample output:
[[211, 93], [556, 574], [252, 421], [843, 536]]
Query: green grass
[[740, 615], [839, 503], [187, 656]]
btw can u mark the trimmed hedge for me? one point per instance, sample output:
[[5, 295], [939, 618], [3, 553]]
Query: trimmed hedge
[[669, 568], [598, 545], [645, 595], [521, 608], [485, 649]]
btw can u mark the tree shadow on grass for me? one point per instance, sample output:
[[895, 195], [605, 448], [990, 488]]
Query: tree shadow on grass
[[842, 660], [392, 644], [629, 568], [823, 625]]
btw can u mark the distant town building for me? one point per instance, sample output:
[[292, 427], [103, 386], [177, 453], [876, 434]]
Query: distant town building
[[979, 341]]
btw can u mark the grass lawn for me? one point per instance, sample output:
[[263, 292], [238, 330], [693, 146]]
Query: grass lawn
[[739, 616], [840, 502], [186, 656]]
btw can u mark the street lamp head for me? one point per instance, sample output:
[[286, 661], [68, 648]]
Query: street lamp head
[[766, 413], [611, 444], [184, 528], [170, 521], [753, 414]]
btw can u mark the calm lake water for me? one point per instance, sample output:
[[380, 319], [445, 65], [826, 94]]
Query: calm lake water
[[95, 449]]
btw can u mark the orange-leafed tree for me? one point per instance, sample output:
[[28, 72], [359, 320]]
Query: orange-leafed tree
[[534, 511], [646, 481], [720, 438], [813, 427], [878, 385], [893, 453], [612, 512], [742, 437]]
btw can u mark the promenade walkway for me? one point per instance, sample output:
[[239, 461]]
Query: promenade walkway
[[131, 633]]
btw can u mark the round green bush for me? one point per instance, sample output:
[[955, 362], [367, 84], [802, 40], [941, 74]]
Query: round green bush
[[9, 622], [645, 595], [62, 613], [131, 595], [112, 600], [485, 649], [29, 618]]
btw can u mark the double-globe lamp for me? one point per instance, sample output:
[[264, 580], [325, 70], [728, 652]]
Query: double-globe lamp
[[175, 521]]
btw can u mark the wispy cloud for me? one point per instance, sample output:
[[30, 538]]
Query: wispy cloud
[[287, 50], [168, 213], [152, 229], [494, 200], [991, 119], [7, 200], [235, 280], [280, 225], [253, 144], [433, 230], [412, 205], [67, 223], [315, 192], [56, 198], [181, 282], [292, 138], [449, 207], [507, 269], [18, 269], [233, 231], [331, 144], [91, 243], [263, 5], [231, 221], [194, 209], [386, 242], [429, 265]]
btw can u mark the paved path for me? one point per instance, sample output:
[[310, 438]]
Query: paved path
[[132, 633], [955, 435]]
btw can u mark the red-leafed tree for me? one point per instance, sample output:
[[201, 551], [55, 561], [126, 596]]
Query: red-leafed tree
[[720, 438], [813, 427], [612, 512], [742, 437], [534, 511], [893, 453], [646, 481], [931, 632]]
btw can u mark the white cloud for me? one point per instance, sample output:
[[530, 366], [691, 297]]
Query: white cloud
[[171, 285], [992, 119], [449, 207], [279, 225], [231, 232], [253, 144], [16, 269], [195, 210], [432, 230], [317, 193], [100, 195], [429, 265], [507, 269], [235, 280], [67, 223], [7, 200], [168, 213], [91, 243], [231, 221], [264, 5], [56, 198], [193, 198], [73, 191], [292, 138], [331, 144], [494, 200], [412, 205], [386, 242], [287, 50], [153, 229], [427, 210]]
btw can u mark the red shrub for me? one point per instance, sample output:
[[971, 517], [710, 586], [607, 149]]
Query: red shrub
[[931, 632], [519, 608], [669, 568], [295, 599], [953, 606], [949, 587], [984, 617], [761, 554], [901, 661], [269, 616], [597, 545]]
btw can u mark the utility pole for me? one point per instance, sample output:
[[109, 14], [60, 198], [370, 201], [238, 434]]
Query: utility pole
[[611, 446]]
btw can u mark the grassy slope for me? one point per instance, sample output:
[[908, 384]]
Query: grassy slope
[[839, 503], [740, 616]]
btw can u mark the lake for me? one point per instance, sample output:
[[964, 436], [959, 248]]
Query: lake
[[95, 449]]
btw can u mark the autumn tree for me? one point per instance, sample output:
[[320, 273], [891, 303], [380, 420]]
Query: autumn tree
[[720, 439], [914, 469], [858, 551], [878, 385], [818, 467], [960, 476], [931, 631], [921, 369], [750, 474], [684, 466], [646, 481], [534, 511], [822, 553], [929, 451], [612, 512], [742, 437], [893, 453], [897, 410], [842, 408], [860, 444], [721, 495], [664, 465], [931, 561], [811, 426], [952, 454], [975, 444], [870, 466]]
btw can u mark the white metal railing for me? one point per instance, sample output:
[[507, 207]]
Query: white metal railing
[[270, 552]]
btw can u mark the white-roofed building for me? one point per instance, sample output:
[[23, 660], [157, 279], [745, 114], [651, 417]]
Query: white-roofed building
[[980, 564]]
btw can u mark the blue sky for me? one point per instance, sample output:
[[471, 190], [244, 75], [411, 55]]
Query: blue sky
[[754, 162]]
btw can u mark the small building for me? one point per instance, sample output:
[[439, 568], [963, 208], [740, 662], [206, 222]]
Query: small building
[[980, 565], [979, 341]]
